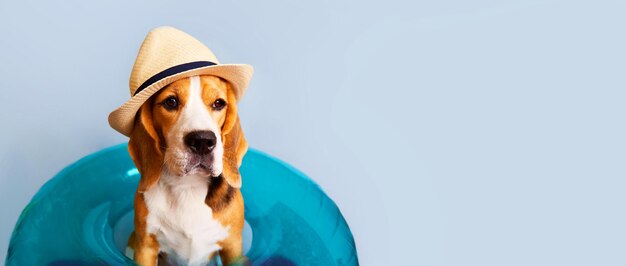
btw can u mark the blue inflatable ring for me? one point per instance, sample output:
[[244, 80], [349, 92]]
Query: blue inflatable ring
[[83, 216]]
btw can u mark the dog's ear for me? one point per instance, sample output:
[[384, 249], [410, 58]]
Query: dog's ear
[[235, 144], [144, 147]]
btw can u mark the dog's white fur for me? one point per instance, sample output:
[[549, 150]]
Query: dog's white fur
[[178, 216]]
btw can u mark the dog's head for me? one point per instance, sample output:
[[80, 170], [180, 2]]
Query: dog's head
[[189, 128]]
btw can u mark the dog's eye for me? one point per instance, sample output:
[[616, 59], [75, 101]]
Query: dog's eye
[[171, 103], [218, 104]]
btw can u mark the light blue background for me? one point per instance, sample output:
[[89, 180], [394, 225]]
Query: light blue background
[[448, 132]]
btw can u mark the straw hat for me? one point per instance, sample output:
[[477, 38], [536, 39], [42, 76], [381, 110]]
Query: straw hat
[[166, 55]]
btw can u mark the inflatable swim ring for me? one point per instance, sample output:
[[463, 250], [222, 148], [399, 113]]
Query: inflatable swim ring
[[83, 216]]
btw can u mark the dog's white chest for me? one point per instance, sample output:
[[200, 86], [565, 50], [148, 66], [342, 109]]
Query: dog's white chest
[[183, 223]]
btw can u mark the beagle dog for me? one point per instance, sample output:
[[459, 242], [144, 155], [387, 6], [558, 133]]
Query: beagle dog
[[188, 145]]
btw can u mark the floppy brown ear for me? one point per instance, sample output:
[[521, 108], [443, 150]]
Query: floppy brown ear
[[235, 144], [144, 148]]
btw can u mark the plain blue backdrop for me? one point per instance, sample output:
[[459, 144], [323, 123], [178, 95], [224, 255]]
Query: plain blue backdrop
[[448, 132]]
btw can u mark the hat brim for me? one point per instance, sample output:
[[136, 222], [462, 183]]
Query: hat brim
[[123, 118]]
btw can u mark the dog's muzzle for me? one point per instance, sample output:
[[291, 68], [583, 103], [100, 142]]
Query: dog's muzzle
[[200, 145]]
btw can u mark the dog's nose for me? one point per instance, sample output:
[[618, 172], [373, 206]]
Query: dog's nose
[[200, 142]]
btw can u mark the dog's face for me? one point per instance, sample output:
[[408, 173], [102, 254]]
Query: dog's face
[[188, 115], [190, 128]]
